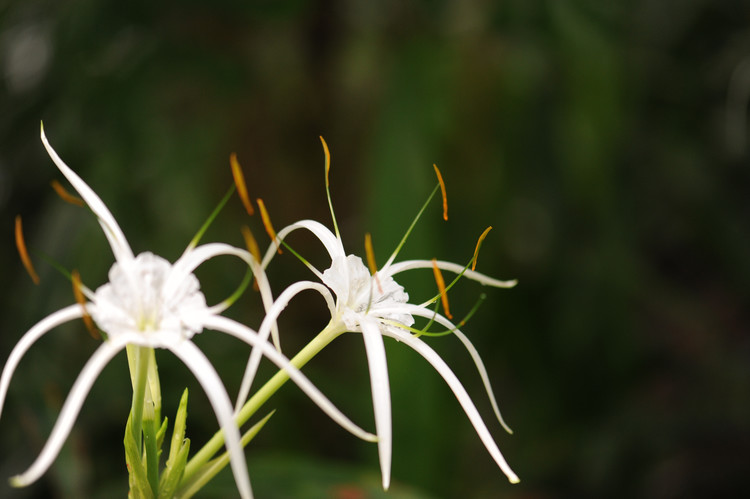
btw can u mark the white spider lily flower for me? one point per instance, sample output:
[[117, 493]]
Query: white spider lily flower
[[151, 303], [375, 305]]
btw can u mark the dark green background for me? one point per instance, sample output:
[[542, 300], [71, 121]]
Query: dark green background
[[604, 141]]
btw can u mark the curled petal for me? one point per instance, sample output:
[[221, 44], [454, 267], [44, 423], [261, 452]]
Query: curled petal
[[71, 408], [460, 392], [450, 267], [381, 395], [332, 244], [206, 375], [250, 337], [114, 234], [66, 314], [429, 314], [272, 314]]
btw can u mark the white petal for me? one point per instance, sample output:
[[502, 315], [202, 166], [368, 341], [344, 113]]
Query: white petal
[[429, 314], [70, 409], [332, 244], [250, 337], [272, 314], [51, 321], [217, 395], [460, 392], [381, 395], [450, 267], [114, 234]]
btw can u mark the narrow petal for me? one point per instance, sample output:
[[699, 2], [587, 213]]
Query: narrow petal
[[71, 408], [450, 267], [249, 336], [206, 375], [329, 240], [272, 315], [429, 314], [114, 234], [381, 395], [66, 314], [460, 392]]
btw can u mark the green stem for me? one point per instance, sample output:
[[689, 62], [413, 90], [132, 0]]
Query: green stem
[[142, 357], [326, 336]]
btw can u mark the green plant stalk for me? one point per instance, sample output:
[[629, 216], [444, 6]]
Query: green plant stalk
[[142, 355], [325, 337]]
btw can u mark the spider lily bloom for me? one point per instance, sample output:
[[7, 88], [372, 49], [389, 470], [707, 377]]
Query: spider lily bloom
[[374, 304], [149, 303]]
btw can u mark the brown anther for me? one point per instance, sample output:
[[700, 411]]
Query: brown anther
[[442, 191], [267, 224], [65, 195], [87, 320], [252, 247], [441, 288], [479, 243], [328, 157], [370, 254], [239, 181], [23, 253]]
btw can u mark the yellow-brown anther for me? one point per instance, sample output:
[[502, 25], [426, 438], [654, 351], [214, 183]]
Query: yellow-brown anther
[[239, 181], [23, 253], [370, 254], [442, 191], [328, 157], [479, 243], [441, 287], [87, 320], [65, 195], [252, 247], [267, 223]]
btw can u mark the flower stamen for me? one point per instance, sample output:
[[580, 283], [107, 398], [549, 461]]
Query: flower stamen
[[239, 181], [252, 247], [267, 224], [65, 195], [328, 187], [442, 191], [23, 253], [78, 293], [441, 288], [476, 250], [370, 253]]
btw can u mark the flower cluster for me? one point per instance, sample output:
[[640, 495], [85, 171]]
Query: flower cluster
[[149, 303]]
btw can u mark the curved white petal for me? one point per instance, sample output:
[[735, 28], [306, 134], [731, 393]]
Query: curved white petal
[[381, 394], [206, 375], [429, 314], [450, 267], [272, 314], [114, 234], [460, 392], [192, 258], [71, 408], [250, 337], [45, 325], [329, 240]]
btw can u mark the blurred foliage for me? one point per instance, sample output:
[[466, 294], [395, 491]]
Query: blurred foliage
[[605, 142]]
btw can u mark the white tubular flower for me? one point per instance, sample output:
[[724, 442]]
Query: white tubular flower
[[374, 304], [149, 302]]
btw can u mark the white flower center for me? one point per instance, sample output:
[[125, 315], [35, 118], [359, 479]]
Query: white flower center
[[358, 294], [146, 295]]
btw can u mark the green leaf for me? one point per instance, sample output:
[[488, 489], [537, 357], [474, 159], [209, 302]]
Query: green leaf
[[172, 475], [138, 481], [209, 470]]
